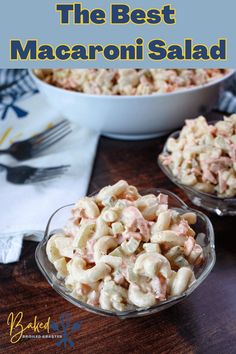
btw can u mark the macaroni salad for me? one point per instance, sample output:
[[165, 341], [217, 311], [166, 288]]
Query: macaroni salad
[[127, 81], [204, 156], [121, 250]]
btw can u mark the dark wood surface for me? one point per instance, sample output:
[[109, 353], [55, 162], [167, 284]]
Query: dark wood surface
[[204, 323]]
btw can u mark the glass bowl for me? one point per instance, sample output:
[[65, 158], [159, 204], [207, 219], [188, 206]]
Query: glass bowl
[[207, 201], [205, 238]]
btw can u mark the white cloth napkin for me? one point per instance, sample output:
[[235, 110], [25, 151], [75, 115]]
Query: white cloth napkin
[[25, 209]]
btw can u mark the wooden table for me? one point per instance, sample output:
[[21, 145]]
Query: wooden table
[[204, 323]]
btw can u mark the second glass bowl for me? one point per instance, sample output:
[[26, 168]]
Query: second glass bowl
[[207, 201]]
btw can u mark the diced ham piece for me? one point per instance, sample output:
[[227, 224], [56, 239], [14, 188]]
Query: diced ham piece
[[181, 228], [162, 198], [189, 245], [159, 287], [232, 152], [166, 160], [222, 182], [208, 176], [135, 222]]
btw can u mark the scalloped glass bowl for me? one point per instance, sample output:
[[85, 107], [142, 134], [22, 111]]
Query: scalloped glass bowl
[[205, 238], [207, 201]]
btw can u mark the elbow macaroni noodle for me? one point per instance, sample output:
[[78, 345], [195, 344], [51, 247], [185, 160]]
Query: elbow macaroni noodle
[[126, 250], [128, 81], [204, 156]]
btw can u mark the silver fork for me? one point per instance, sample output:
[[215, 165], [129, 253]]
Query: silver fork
[[26, 149], [28, 175]]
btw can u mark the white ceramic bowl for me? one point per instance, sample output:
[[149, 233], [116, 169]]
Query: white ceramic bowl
[[133, 117]]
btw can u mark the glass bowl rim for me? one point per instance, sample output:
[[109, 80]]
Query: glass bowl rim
[[136, 311]]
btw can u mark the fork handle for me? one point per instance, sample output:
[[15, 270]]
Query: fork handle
[[3, 167], [6, 151]]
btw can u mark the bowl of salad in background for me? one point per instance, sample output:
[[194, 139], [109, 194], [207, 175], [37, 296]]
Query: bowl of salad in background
[[131, 103], [201, 160]]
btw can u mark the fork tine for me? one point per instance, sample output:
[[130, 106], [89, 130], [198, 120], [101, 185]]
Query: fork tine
[[42, 179], [50, 170], [49, 135], [49, 141], [53, 170], [45, 174], [39, 137], [52, 135]]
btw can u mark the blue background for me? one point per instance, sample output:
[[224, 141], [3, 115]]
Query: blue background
[[204, 20]]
